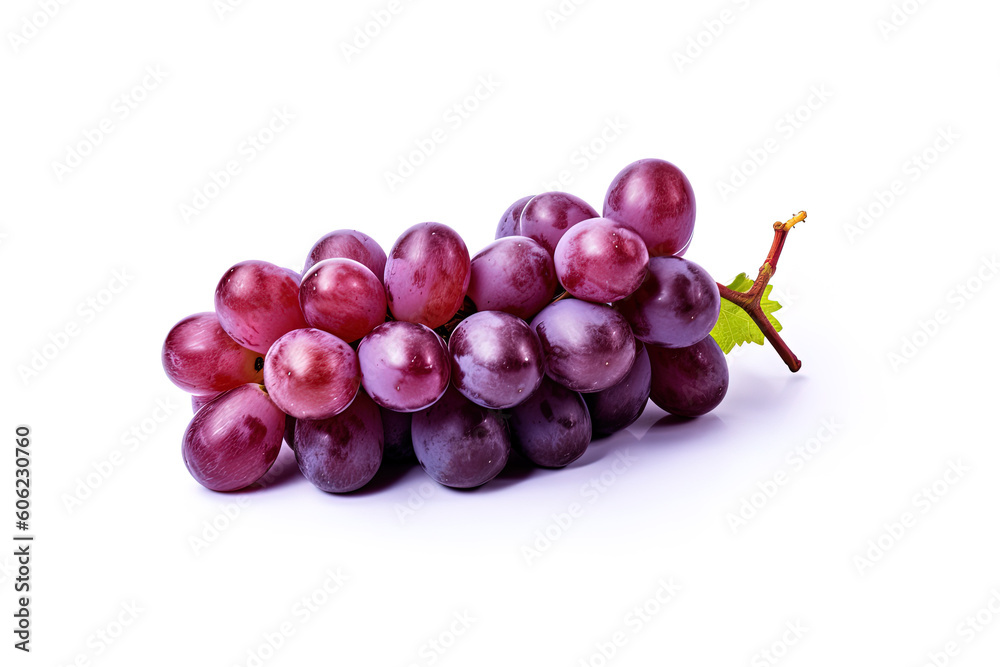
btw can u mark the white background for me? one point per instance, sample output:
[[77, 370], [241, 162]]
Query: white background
[[851, 299]]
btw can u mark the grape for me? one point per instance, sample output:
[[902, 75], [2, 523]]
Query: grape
[[496, 359], [348, 244], [404, 366], [509, 224], [588, 347], [689, 381], [257, 303], [654, 198], [514, 275], [290, 431], [342, 453], [198, 401], [233, 440], [547, 217], [552, 428], [342, 297], [459, 443], [619, 406], [427, 274], [601, 261], [201, 358], [676, 306], [398, 438], [311, 374]]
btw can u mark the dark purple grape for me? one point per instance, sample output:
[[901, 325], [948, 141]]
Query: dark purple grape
[[342, 453], [688, 381], [290, 431], [398, 436], [552, 428], [588, 346], [676, 306], [618, 407], [509, 223], [654, 198], [231, 442], [459, 443], [547, 216], [496, 359]]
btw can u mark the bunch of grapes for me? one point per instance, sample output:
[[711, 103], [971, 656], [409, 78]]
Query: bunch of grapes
[[560, 330]]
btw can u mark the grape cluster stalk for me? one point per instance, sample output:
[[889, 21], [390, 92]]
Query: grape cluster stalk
[[558, 332]]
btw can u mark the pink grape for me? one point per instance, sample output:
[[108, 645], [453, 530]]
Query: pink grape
[[459, 443], [547, 217], [600, 260], [342, 297], [257, 303], [496, 359], [231, 442], [404, 366], [348, 244], [509, 224], [514, 275], [311, 374], [676, 306], [552, 428], [201, 358], [619, 406], [341, 453], [427, 274], [689, 381], [654, 198], [588, 346]]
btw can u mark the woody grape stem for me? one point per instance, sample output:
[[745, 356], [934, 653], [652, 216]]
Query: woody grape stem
[[749, 301]]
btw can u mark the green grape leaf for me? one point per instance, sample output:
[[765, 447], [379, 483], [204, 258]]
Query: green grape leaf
[[734, 326]]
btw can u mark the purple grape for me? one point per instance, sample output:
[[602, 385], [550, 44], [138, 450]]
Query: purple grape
[[201, 358], [509, 223], [342, 297], [404, 366], [654, 198], [689, 381], [231, 442], [311, 374], [290, 431], [459, 443], [398, 437], [600, 260], [514, 275], [257, 303], [552, 428], [348, 244], [588, 347], [427, 274], [342, 453], [619, 406], [676, 306], [496, 359], [546, 217]]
